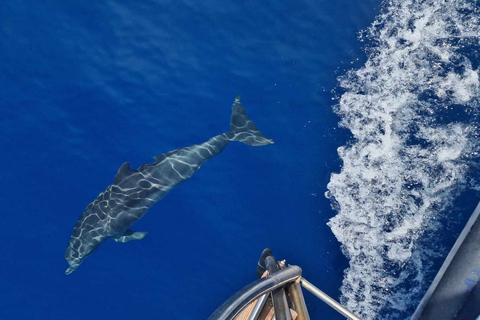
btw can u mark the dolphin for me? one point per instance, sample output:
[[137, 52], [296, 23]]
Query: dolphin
[[133, 192]]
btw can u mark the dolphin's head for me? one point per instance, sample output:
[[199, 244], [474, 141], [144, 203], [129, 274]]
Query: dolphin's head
[[80, 248], [73, 266], [73, 258]]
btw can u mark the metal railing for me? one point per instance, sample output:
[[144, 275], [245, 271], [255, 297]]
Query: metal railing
[[277, 286], [328, 300]]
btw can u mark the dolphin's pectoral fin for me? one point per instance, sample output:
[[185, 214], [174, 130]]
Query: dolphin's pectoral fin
[[131, 235]]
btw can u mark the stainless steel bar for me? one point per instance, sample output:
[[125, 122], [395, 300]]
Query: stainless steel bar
[[258, 307], [280, 305], [328, 300], [298, 300]]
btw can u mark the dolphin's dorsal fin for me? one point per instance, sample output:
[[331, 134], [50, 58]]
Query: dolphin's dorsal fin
[[123, 172]]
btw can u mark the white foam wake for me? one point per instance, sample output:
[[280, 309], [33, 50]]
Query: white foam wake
[[412, 110]]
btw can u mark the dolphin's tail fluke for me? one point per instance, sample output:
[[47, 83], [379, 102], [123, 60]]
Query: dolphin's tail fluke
[[243, 129]]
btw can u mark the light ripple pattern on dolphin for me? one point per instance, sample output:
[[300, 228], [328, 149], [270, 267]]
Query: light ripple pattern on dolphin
[[133, 192]]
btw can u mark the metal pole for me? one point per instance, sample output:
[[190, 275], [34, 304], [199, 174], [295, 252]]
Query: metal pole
[[280, 305], [298, 300], [325, 298], [258, 307]]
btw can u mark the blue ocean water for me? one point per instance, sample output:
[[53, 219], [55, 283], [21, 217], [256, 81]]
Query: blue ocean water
[[88, 86]]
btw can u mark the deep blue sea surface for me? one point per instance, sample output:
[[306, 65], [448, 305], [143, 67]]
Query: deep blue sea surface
[[85, 87]]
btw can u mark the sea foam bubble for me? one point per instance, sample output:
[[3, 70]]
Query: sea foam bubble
[[413, 110]]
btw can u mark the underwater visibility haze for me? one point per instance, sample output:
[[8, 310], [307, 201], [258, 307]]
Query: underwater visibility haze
[[373, 108]]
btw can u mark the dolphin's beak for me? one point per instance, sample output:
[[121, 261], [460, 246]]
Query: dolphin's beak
[[73, 267], [70, 270]]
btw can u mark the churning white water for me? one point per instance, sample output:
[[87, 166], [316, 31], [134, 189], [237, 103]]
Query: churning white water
[[412, 110]]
